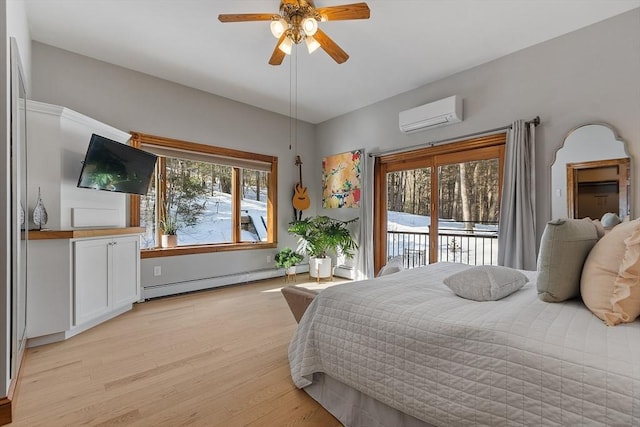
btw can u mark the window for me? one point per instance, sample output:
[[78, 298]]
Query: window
[[219, 198], [439, 203]]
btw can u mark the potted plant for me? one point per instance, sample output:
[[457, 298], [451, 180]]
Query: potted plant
[[320, 237], [287, 258], [169, 230]]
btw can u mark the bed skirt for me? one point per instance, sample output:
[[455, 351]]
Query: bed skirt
[[355, 409]]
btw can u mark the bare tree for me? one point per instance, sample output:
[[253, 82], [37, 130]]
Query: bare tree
[[464, 197]]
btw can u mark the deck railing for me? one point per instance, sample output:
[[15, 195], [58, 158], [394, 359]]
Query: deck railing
[[476, 244]]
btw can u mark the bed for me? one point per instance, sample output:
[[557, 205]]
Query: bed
[[404, 350]]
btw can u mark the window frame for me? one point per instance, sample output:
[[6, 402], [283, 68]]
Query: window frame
[[481, 148], [139, 140]]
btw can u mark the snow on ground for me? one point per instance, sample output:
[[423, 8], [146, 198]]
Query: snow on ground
[[455, 244], [401, 221], [215, 225]]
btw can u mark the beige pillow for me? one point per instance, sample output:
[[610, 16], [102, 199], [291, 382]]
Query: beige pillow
[[486, 282], [564, 247], [610, 284]]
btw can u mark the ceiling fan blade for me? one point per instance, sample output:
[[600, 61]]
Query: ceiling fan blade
[[277, 56], [345, 11], [243, 17], [331, 47]]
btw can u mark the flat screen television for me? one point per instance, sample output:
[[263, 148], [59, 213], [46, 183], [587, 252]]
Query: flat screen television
[[112, 166]]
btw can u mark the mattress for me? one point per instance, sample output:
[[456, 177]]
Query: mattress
[[407, 341]]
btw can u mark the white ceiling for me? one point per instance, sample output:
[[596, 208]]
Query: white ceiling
[[404, 45]]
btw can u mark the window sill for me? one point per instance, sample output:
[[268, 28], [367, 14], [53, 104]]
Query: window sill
[[203, 249]]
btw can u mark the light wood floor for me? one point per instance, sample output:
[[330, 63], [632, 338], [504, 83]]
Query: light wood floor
[[213, 358]]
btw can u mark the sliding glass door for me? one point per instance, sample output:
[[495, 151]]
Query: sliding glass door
[[439, 203]]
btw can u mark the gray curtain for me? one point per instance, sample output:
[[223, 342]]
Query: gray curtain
[[364, 258], [517, 237]]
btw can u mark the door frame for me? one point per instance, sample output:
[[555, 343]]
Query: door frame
[[623, 166]]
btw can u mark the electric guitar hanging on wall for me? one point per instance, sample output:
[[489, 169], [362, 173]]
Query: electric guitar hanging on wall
[[301, 199]]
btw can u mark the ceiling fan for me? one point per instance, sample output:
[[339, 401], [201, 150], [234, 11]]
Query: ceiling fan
[[298, 22]]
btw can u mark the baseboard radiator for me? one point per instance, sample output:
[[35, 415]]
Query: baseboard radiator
[[345, 271], [155, 291]]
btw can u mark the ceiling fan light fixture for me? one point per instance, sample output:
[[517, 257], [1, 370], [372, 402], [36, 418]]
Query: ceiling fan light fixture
[[278, 26], [312, 44], [286, 45], [309, 26], [298, 21]]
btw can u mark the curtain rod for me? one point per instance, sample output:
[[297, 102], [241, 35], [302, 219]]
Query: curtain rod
[[535, 121]]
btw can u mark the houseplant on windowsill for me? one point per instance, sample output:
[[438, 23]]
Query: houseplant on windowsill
[[287, 258], [169, 230], [320, 237]]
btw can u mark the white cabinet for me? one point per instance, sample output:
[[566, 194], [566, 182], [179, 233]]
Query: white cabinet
[[78, 279], [106, 276]]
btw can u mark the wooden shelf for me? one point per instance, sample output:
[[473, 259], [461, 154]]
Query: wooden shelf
[[88, 232]]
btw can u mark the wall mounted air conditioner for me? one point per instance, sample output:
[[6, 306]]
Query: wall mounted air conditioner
[[438, 113]]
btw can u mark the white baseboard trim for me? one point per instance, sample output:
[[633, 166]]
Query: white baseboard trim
[[156, 291]]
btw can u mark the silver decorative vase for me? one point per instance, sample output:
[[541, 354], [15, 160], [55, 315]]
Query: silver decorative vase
[[40, 216], [22, 215]]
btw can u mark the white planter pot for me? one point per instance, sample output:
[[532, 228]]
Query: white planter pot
[[290, 274], [320, 267], [169, 240], [290, 271]]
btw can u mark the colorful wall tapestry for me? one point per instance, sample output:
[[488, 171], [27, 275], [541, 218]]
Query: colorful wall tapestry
[[341, 183]]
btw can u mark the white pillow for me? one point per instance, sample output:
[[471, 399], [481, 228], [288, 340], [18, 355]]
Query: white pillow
[[486, 282], [394, 265]]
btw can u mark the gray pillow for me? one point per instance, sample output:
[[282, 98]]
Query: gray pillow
[[564, 248], [486, 282]]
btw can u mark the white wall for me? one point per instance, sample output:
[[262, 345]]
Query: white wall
[[589, 75], [18, 27], [130, 100]]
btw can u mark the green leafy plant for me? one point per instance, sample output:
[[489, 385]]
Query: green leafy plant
[[287, 257], [321, 236], [168, 226]]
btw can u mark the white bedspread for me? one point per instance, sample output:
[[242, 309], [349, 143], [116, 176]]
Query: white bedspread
[[409, 342]]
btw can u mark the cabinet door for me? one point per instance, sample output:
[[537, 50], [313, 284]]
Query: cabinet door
[[91, 279], [126, 272]]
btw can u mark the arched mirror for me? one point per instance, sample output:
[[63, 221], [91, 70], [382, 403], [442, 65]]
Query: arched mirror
[[590, 175]]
